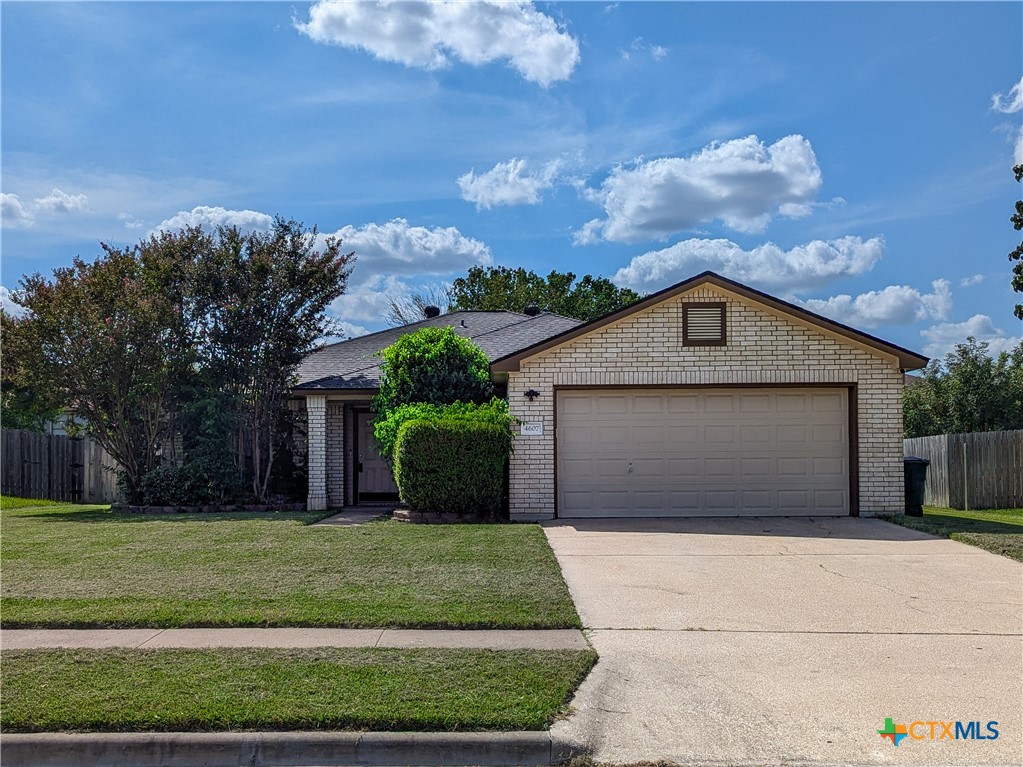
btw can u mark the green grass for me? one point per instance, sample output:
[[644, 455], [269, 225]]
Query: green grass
[[67, 566], [997, 530], [12, 502], [309, 689]]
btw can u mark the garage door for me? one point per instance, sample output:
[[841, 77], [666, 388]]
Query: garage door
[[702, 452]]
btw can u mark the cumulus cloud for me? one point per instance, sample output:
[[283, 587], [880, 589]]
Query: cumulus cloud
[[894, 305], [508, 183], [61, 202], [210, 218], [13, 213], [399, 248], [767, 266], [742, 182], [943, 337], [1011, 103], [8, 304], [967, 282], [429, 35], [369, 300]]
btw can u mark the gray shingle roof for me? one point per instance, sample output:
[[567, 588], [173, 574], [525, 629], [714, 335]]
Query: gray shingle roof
[[351, 364]]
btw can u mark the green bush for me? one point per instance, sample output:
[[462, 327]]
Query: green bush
[[449, 465], [432, 365], [168, 486], [387, 425]]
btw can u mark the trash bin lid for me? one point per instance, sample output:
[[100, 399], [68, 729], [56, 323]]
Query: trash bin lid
[[915, 459]]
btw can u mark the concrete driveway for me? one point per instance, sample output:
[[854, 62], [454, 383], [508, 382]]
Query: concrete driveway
[[790, 641]]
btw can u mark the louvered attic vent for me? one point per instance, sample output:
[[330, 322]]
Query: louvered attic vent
[[703, 324]]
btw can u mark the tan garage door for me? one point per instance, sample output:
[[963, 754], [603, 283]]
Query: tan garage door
[[702, 452]]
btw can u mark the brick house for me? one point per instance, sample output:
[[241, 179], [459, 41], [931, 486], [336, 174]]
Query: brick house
[[708, 398]]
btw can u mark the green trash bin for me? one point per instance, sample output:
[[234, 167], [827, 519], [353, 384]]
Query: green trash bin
[[914, 472]]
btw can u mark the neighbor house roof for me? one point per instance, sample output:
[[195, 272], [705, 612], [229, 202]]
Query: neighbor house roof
[[353, 364], [908, 360]]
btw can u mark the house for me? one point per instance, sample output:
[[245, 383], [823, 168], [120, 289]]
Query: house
[[708, 398], [339, 381]]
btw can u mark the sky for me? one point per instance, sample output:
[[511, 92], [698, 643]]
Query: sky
[[853, 158]]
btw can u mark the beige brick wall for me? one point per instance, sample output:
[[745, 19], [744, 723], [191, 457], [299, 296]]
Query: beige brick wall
[[335, 454], [763, 348], [316, 410]]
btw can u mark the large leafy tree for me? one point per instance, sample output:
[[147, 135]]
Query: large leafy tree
[[101, 338], [969, 391], [267, 299], [1017, 252], [499, 287], [186, 333]]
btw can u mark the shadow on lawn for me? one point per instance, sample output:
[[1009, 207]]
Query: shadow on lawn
[[941, 524]]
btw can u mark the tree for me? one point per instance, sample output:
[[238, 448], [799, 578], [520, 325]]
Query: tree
[[404, 310], [186, 333], [1017, 252], [500, 288], [269, 311], [432, 365], [100, 337], [23, 405], [969, 392]]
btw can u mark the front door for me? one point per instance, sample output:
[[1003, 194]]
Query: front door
[[375, 482]]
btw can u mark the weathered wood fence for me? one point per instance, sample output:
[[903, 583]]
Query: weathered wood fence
[[972, 471], [56, 467]]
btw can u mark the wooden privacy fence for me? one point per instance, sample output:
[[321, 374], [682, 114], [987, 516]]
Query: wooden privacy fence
[[56, 467], [972, 471]]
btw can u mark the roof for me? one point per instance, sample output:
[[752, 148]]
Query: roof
[[908, 360], [352, 364]]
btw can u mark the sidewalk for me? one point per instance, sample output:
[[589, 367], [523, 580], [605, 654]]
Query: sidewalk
[[32, 639]]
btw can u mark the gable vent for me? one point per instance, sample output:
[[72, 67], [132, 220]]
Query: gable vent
[[703, 324]]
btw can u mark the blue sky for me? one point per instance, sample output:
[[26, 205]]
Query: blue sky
[[855, 158]]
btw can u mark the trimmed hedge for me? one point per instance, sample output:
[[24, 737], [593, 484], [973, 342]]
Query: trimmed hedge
[[452, 466], [387, 425]]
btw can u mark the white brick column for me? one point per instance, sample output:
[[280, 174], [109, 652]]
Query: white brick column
[[316, 411]]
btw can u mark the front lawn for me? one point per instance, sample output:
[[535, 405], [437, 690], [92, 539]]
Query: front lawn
[[997, 530], [310, 689], [68, 566]]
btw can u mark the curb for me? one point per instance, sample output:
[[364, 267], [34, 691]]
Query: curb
[[283, 749]]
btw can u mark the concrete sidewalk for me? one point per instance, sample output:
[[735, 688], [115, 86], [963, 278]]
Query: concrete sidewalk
[[554, 639]]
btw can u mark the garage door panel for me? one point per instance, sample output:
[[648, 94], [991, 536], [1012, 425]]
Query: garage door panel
[[684, 403], [702, 452], [611, 405]]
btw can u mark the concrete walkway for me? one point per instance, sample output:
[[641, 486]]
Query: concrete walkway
[[790, 641], [555, 639]]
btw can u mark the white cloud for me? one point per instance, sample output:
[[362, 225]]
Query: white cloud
[[508, 184], [967, 282], [894, 305], [61, 202], [13, 214], [767, 266], [943, 338], [398, 248], [429, 34], [210, 218], [1011, 103], [8, 304], [742, 182], [129, 221], [369, 300]]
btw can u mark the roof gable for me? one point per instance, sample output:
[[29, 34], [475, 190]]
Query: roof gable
[[908, 360]]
